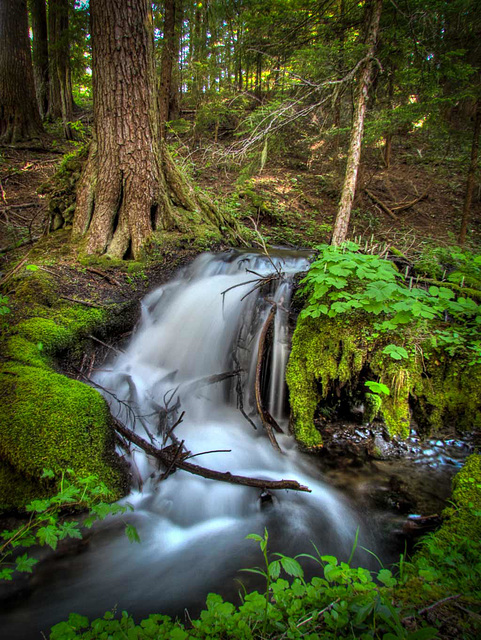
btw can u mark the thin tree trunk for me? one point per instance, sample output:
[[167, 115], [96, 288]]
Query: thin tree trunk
[[473, 165], [61, 98], [373, 14], [38, 12], [176, 81], [168, 53], [19, 114]]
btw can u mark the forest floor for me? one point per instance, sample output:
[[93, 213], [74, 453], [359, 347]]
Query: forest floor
[[414, 203]]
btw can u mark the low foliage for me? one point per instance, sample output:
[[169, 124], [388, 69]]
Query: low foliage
[[46, 526], [345, 280]]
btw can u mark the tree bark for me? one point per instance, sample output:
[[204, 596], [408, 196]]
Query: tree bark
[[19, 114], [473, 165], [167, 61], [38, 12], [130, 186], [373, 14], [61, 98]]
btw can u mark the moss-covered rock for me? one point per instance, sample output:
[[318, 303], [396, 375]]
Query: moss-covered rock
[[325, 355], [46, 419], [329, 355], [50, 421]]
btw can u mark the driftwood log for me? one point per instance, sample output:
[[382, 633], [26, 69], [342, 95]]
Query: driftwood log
[[171, 459], [267, 420]]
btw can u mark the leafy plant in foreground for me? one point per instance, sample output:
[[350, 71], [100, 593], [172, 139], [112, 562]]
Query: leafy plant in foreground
[[46, 524]]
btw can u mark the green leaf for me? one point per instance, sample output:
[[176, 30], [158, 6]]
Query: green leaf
[[275, 569], [396, 352], [292, 567], [48, 535], [254, 536], [377, 387], [385, 577], [132, 533], [25, 564]]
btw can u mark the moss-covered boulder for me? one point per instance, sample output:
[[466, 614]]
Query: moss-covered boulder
[[333, 358], [48, 420]]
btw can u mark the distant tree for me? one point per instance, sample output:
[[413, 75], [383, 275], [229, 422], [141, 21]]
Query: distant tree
[[341, 224], [38, 13], [473, 165], [61, 98], [19, 114], [130, 186]]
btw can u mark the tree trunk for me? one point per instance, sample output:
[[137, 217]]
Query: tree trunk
[[38, 12], [130, 186], [473, 165], [61, 98], [175, 84], [167, 61], [373, 14], [19, 114]]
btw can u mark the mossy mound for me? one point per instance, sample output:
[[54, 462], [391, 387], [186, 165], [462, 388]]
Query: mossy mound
[[324, 356], [46, 419], [50, 421], [333, 358]]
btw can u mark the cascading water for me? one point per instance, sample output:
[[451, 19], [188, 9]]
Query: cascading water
[[204, 323]]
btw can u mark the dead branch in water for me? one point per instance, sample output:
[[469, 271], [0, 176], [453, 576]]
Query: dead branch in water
[[267, 420], [166, 457]]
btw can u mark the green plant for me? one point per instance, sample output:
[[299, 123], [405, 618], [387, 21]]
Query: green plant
[[4, 308], [345, 280], [46, 524]]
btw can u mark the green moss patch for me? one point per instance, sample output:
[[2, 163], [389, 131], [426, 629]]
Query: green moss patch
[[50, 421], [331, 356]]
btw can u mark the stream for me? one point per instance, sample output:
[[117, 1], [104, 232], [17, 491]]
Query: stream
[[204, 323]]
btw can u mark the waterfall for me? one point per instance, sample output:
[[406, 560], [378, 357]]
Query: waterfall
[[205, 322]]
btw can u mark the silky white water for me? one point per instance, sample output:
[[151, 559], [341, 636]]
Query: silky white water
[[193, 530]]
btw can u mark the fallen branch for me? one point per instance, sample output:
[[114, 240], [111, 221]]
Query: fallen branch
[[104, 344], [106, 276], [166, 458], [15, 269], [381, 204], [84, 302], [431, 606], [267, 420], [466, 291], [407, 205]]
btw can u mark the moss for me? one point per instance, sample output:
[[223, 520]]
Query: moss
[[46, 419], [36, 287], [448, 392], [325, 353], [463, 517], [50, 421], [16, 489]]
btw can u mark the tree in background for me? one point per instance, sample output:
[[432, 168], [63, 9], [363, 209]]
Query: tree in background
[[341, 224], [19, 114], [38, 13], [61, 98], [130, 186]]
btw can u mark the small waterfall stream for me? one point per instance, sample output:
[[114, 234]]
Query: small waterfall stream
[[204, 323]]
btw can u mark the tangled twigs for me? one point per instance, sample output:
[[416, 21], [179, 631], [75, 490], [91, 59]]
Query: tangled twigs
[[166, 456]]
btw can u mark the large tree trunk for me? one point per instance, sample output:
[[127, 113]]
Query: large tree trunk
[[38, 12], [19, 114], [473, 165], [130, 186], [339, 234], [61, 98]]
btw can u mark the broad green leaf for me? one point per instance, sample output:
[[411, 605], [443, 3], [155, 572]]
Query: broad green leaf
[[24, 563]]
